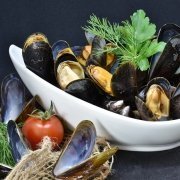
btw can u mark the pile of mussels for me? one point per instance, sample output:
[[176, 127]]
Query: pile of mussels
[[100, 80]]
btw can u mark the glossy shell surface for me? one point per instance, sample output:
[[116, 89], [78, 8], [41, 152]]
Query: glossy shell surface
[[78, 149], [12, 97]]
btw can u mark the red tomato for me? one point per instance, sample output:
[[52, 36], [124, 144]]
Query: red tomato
[[34, 129]]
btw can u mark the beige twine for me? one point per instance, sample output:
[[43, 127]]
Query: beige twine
[[38, 165]]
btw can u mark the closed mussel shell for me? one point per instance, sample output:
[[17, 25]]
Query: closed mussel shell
[[175, 104], [97, 59], [86, 90], [165, 64], [124, 82], [166, 32], [37, 55]]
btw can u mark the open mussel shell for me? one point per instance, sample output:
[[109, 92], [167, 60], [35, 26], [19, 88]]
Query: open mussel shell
[[59, 46], [18, 146], [12, 97], [28, 109], [86, 90], [124, 82], [175, 103], [153, 102], [78, 149], [164, 83], [37, 55], [4, 170], [101, 77], [143, 110], [82, 53], [63, 56], [69, 71], [89, 167]]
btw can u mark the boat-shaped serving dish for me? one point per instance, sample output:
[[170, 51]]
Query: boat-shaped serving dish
[[127, 133]]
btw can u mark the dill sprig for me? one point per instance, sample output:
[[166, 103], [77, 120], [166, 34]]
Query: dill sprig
[[5, 150], [133, 40]]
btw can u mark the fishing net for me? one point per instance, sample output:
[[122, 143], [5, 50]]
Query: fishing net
[[38, 165]]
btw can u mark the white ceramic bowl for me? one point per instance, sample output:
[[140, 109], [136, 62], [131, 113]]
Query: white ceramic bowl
[[127, 133]]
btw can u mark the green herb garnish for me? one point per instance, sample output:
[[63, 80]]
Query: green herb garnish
[[5, 150], [133, 41]]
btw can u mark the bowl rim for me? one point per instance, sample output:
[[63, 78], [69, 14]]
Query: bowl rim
[[138, 122]]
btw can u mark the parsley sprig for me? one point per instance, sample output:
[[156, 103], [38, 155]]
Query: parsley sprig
[[133, 40]]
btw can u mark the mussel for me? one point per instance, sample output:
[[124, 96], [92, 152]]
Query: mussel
[[101, 77], [74, 161], [156, 101], [118, 107], [82, 53], [18, 146], [71, 76], [67, 72], [104, 60], [38, 56], [166, 64], [175, 103], [17, 143], [12, 97], [4, 170]]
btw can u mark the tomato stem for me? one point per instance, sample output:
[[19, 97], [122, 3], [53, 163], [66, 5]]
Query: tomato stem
[[43, 115]]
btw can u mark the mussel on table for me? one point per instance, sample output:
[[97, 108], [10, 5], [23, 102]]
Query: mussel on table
[[12, 97], [18, 145], [4, 170], [38, 56], [74, 161]]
